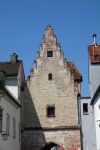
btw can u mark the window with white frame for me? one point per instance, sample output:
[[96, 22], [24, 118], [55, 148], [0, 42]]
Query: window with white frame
[[8, 124], [0, 120], [14, 128]]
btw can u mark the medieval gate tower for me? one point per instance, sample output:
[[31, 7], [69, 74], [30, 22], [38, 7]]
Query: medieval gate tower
[[49, 102]]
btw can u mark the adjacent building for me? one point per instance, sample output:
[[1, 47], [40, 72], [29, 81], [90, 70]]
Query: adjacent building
[[95, 103], [94, 51], [49, 103], [89, 106], [12, 74], [88, 140]]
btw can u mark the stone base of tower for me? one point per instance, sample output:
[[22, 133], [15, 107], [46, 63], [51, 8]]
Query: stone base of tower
[[36, 139]]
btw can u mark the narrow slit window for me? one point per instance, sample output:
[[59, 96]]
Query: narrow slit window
[[85, 108], [50, 111], [14, 128], [49, 53], [8, 124], [50, 76]]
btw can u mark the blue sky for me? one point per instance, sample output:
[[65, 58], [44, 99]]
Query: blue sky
[[22, 24]]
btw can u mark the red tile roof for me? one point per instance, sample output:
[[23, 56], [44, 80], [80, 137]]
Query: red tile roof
[[94, 53], [74, 71]]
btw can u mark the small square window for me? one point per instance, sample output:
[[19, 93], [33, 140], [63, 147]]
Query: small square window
[[85, 108], [49, 53], [51, 111]]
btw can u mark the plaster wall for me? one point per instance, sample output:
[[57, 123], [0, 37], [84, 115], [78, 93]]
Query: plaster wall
[[12, 86], [97, 120], [94, 76], [9, 107], [87, 126]]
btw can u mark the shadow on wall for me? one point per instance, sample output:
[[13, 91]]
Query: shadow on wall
[[32, 134]]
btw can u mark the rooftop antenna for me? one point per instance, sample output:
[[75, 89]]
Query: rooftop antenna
[[94, 38]]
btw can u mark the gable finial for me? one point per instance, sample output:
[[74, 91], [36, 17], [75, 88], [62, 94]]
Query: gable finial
[[49, 31]]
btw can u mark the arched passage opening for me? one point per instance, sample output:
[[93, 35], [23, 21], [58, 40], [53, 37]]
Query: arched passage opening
[[51, 146]]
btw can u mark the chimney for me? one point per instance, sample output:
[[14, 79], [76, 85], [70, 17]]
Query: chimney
[[94, 38], [14, 58]]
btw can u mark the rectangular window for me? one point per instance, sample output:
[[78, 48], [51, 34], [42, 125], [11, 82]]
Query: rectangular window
[[8, 124], [49, 53], [14, 128], [0, 120], [85, 108], [51, 111]]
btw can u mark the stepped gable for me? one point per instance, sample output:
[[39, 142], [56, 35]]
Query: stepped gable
[[49, 42], [51, 94], [94, 53], [74, 71]]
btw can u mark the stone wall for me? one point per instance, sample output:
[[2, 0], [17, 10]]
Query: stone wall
[[35, 140]]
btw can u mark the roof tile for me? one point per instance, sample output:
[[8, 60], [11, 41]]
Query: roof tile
[[74, 71]]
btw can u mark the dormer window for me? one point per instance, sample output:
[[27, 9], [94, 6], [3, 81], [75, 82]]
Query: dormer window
[[49, 53], [50, 76]]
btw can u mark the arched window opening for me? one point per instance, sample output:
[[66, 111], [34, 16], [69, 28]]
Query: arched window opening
[[52, 146], [50, 76]]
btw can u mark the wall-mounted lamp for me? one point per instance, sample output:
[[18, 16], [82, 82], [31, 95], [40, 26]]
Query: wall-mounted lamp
[[4, 135]]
